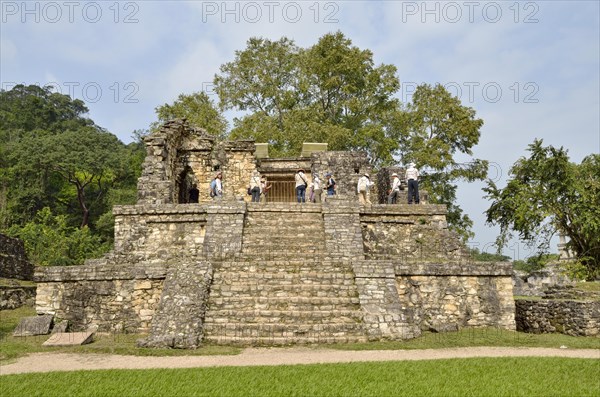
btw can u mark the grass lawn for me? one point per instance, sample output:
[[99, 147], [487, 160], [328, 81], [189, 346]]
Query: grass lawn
[[456, 377], [124, 344], [12, 347]]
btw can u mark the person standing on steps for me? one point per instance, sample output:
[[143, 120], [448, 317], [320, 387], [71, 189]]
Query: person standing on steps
[[412, 179], [255, 187], [301, 186], [216, 187], [330, 184], [315, 196], [264, 188], [393, 197], [363, 187]]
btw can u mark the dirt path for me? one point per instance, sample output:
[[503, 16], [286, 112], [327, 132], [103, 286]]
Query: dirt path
[[47, 362]]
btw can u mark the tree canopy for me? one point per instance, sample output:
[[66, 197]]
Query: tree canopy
[[547, 193], [331, 92], [60, 172], [434, 128]]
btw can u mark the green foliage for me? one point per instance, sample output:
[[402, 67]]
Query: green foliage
[[30, 108], [535, 263], [331, 92], [547, 193], [198, 109], [49, 241], [53, 157], [497, 377], [479, 256], [434, 128]]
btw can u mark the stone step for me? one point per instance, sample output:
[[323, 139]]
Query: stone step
[[306, 277], [242, 290], [293, 303], [287, 341], [285, 286], [292, 265], [287, 222], [283, 330], [282, 341], [283, 316]]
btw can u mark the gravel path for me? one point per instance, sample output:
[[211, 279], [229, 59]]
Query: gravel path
[[48, 362]]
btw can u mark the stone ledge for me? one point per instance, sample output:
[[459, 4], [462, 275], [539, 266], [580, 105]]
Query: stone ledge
[[403, 209], [159, 209], [101, 272], [285, 207]]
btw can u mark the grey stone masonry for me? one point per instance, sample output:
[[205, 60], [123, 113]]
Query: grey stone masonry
[[282, 302], [282, 230], [14, 297], [576, 318], [178, 320], [384, 315], [283, 273], [347, 168], [13, 259], [224, 228], [343, 235]]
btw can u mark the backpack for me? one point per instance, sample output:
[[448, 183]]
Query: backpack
[[362, 185], [213, 188]]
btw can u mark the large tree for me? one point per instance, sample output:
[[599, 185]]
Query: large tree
[[547, 193], [331, 92], [53, 156], [434, 128]]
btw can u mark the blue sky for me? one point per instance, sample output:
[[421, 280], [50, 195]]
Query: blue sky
[[530, 68]]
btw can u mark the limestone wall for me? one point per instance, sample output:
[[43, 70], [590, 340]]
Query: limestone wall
[[576, 318], [17, 296], [145, 231], [13, 259], [347, 168], [409, 233], [115, 298]]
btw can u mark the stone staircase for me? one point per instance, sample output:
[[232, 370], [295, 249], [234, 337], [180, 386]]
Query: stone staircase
[[281, 290], [283, 302], [283, 231]]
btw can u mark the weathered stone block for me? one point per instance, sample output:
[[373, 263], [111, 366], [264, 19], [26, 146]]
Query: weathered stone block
[[36, 325]]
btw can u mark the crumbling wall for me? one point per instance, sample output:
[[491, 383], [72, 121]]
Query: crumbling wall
[[116, 298], [347, 168], [13, 259], [451, 302], [417, 233], [145, 231], [576, 318]]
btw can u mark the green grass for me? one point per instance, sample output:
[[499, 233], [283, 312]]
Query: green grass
[[478, 337], [525, 376], [591, 286], [124, 344]]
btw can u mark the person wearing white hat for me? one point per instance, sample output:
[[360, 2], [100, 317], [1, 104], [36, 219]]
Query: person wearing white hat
[[412, 179], [393, 197], [363, 187]]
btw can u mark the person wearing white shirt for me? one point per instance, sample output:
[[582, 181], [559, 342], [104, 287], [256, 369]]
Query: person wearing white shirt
[[393, 197], [363, 187], [412, 179], [317, 190], [255, 188], [301, 185]]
